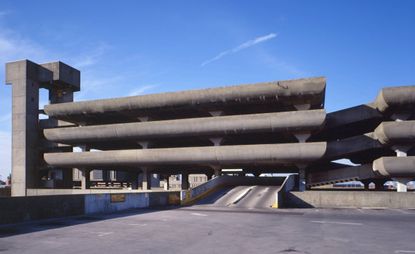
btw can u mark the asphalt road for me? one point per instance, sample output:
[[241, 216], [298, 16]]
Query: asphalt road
[[203, 229]]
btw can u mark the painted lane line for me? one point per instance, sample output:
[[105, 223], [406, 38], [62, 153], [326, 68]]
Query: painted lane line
[[137, 224], [337, 223], [199, 214], [404, 251], [105, 233]]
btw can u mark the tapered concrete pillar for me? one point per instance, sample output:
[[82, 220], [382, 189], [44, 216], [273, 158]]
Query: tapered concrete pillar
[[167, 182], [146, 182], [379, 184], [85, 179], [185, 181], [401, 183]]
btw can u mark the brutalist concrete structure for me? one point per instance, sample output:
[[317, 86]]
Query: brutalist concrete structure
[[274, 127]]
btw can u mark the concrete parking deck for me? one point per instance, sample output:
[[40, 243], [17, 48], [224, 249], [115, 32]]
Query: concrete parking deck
[[195, 230]]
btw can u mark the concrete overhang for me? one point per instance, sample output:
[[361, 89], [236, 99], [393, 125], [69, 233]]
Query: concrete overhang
[[288, 122], [231, 156], [395, 98], [395, 166], [290, 93], [398, 132], [64, 75]]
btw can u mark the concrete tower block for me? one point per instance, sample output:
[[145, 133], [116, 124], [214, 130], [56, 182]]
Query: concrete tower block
[[25, 77]]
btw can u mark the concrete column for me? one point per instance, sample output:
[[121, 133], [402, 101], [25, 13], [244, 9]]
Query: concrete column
[[216, 141], [401, 183], [133, 180], [217, 171], [26, 78], [366, 183], [146, 183], [379, 184], [301, 179], [167, 183], [209, 176], [85, 173], [85, 179], [185, 181]]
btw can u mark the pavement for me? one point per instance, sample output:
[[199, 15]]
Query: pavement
[[204, 229]]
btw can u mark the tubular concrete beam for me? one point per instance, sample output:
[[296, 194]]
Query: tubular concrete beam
[[296, 121], [395, 166], [396, 97], [217, 155], [290, 92], [396, 132]]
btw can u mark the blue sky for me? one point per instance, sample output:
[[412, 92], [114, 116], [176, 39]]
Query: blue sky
[[134, 47]]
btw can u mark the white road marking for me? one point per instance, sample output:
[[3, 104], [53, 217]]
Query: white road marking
[[404, 251], [137, 224], [338, 223], [402, 211], [104, 233], [199, 214]]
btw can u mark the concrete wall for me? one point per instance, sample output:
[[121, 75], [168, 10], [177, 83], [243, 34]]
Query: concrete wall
[[352, 199], [19, 209]]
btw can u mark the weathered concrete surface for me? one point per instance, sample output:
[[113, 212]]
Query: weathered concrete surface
[[26, 78], [65, 77], [219, 155], [292, 92], [398, 132], [214, 185], [187, 231], [351, 199], [395, 166], [296, 121], [18, 209], [396, 98], [345, 174]]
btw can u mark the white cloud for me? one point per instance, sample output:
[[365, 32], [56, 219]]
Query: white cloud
[[14, 47], [5, 118], [141, 90], [91, 57], [243, 46]]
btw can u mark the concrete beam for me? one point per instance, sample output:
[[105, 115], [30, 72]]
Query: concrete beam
[[397, 167], [290, 92], [402, 97], [390, 133], [296, 121], [274, 154]]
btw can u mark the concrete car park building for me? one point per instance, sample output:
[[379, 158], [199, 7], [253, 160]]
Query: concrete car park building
[[273, 127]]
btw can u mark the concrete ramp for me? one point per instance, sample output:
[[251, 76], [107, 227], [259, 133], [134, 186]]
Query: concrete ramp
[[242, 197], [235, 191]]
